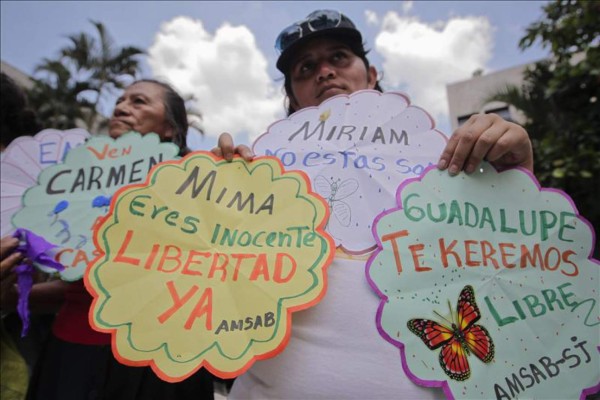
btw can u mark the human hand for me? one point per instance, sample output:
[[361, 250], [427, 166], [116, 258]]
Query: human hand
[[8, 258], [487, 137], [226, 149]]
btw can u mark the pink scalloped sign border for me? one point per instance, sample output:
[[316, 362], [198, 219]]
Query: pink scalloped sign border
[[488, 286]]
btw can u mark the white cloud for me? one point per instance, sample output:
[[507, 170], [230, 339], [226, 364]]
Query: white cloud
[[407, 6], [371, 17], [422, 58], [225, 72]]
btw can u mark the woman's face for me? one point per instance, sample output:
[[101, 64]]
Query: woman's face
[[324, 68], [141, 108]]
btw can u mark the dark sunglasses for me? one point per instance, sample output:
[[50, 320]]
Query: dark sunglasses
[[315, 21]]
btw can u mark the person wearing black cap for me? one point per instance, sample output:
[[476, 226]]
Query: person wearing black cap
[[335, 350], [323, 55]]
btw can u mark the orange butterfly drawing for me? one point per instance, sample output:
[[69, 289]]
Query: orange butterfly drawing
[[457, 342]]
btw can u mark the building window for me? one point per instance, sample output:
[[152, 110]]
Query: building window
[[464, 118], [503, 112]]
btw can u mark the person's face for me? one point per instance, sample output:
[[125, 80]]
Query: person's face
[[141, 108], [324, 68]]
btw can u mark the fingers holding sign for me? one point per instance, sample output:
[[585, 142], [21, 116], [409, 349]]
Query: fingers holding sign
[[8, 258], [487, 137], [226, 149]]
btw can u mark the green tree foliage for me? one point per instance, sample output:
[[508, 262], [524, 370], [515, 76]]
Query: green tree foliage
[[87, 69], [561, 100], [56, 100]]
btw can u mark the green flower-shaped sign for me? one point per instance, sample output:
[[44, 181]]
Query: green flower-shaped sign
[[71, 197], [488, 286]]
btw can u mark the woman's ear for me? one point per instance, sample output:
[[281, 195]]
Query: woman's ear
[[371, 77]]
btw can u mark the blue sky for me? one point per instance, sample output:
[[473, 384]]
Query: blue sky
[[419, 46]]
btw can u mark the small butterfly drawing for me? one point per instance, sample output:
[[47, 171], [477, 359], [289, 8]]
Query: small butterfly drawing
[[458, 341], [334, 192]]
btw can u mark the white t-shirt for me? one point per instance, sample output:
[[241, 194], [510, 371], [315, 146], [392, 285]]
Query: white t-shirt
[[335, 350]]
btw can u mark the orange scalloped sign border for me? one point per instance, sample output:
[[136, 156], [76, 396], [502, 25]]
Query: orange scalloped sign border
[[203, 264]]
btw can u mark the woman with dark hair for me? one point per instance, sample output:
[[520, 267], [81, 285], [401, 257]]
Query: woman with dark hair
[[355, 46], [335, 350], [17, 354], [148, 105], [323, 55], [16, 119], [78, 362]]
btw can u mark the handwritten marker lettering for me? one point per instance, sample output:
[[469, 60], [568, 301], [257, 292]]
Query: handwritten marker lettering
[[219, 254]]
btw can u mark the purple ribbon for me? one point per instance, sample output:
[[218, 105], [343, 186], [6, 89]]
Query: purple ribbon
[[34, 248]]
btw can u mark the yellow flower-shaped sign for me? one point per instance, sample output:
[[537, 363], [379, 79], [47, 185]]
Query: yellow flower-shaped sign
[[203, 264]]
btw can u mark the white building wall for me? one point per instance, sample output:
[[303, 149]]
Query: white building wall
[[16, 75], [466, 98]]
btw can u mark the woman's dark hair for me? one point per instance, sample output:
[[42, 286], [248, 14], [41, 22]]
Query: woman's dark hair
[[16, 119], [358, 49], [175, 113]]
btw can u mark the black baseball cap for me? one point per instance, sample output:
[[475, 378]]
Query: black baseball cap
[[316, 24]]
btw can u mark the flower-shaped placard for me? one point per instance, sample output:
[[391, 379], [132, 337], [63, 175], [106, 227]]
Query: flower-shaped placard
[[356, 149], [23, 161], [488, 287], [203, 264], [70, 197]]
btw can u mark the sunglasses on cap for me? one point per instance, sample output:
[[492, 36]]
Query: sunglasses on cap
[[314, 22]]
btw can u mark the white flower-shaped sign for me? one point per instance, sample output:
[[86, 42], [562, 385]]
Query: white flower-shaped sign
[[356, 150], [23, 161]]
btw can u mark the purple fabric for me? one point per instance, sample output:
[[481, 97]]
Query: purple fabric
[[34, 248]]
